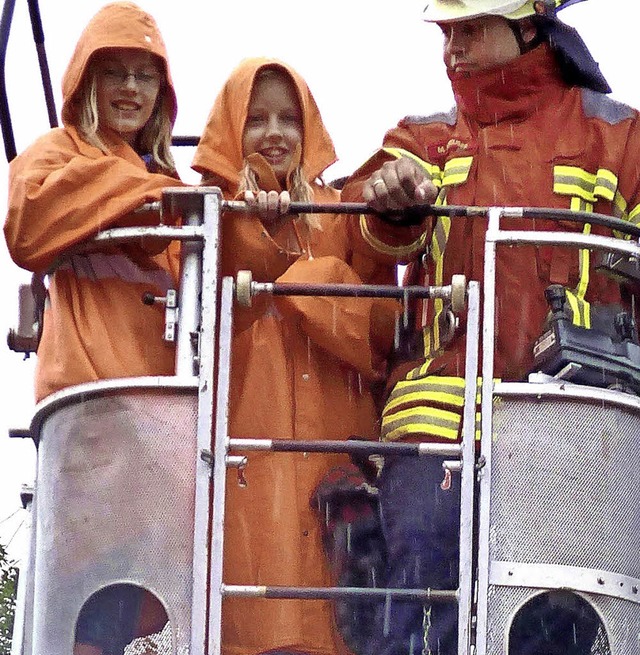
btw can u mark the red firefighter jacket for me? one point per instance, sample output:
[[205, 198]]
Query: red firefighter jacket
[[519, 136]]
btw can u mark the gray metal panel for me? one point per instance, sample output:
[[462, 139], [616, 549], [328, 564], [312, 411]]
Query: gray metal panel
[[564, 481], [114, 502]]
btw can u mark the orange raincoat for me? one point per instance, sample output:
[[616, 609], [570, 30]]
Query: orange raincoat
[[302, 368], [62, 191]]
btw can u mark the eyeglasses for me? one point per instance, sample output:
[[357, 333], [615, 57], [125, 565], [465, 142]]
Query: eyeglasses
[[114, 76]]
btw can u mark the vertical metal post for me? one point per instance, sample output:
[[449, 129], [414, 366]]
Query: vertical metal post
[[5, 115], [488, 347], [190, 290], [220, 466], [208, 274], [38, 38], [468, 472], [22, 626]]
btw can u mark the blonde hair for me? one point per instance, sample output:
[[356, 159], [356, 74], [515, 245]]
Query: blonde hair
[[300, 190], [155, 136]]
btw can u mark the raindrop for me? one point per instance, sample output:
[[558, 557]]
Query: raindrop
[[387, 616], [412, 643]]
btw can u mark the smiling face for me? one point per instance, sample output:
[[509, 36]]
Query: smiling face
[[127, 86], [274, 122], [478, 44]]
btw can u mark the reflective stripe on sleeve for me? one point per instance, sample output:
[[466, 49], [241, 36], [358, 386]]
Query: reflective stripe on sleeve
[[395, 251], [432, 170]]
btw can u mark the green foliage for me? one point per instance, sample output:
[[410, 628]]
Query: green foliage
[[8, 586]]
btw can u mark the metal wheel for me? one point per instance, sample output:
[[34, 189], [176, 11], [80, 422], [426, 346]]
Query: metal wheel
[[244, 280]]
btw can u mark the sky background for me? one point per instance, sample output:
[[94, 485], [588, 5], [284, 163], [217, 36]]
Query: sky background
[[367, 62]]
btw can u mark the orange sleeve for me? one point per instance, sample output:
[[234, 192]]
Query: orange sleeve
[[62, 192], [381, 239], [357, 331]]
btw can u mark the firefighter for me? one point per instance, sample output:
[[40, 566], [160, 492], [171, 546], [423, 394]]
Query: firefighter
[[111, 156], [532, 126], [302, 368]]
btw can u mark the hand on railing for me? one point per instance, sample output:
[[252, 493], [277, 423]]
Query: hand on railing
[[270, 206]]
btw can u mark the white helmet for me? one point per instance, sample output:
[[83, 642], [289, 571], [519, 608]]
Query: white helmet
[[444, 11]]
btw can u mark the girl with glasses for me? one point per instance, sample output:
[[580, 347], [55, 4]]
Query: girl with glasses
[[111, 156]]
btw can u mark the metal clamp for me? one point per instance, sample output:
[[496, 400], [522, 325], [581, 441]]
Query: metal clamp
[[170, 301]]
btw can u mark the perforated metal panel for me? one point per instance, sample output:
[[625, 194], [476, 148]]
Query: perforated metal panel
[[115, 501], [565, 491]]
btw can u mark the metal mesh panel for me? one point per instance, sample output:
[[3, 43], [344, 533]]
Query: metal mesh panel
[[565, 479], [160, 643], [115, 503], [564, 491], [619, 634]]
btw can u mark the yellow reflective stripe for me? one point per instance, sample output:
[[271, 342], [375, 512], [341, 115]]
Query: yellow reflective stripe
[[421, 421], [620, 205], [634, 215], [380, 246], [577, 204], [456, 171], [439, 240], [440, 382], [620, 211], [432, 170], [434, 388], [580, 309], [420, 371], [585, 259], [423, 396], [573, 181], [606, 184]]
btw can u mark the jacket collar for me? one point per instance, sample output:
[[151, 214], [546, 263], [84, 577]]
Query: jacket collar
[[512, 92]]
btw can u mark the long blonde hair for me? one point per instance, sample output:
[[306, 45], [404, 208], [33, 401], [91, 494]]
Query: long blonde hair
[[155, 136], [300, 190]]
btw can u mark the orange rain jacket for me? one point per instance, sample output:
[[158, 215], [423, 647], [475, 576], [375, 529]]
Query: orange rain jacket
[[63, 191], [520, 137], [302, 368]]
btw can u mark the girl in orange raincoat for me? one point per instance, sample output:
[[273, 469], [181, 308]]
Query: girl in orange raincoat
[[112, 156], [302, 368]]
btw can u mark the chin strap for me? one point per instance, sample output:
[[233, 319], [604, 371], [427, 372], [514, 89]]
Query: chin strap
[[525, 47]]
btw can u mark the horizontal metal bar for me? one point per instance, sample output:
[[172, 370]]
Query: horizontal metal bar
[[185, 140], [119, 234], [347, 446], [337, 593], [589, 241], [349, 290], [417, 212], [19, 433], [565, 391], [455, 211]]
